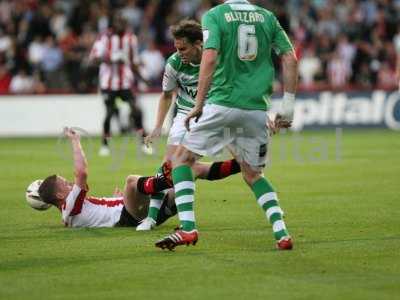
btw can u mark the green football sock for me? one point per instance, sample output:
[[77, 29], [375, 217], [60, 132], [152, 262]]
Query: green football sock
[[184, 186], [268, 201]]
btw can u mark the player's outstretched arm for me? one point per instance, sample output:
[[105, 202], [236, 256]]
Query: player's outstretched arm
[[80, 163], [207, 68], [290, 78], [164, 104]]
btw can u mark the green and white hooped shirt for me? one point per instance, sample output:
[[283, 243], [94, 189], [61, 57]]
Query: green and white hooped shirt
[[184, 78]]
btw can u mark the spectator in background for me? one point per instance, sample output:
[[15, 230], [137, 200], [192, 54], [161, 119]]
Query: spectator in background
[[309, 67], [396, 42], [188, 7], [22, 35], [346, 50], [88, 72], [362, 76], [5, 11], [40, 20], [22, 83], [324, 48], [386, 76], [5, 42], [327, 24], [68, 43], [152, 63], [361, 30], [132, 14], [52, 56], [75, 49], [35, 52], [103, 17], [51, 63], [58, 23], [338, 71], [5, 77], [7, 46]]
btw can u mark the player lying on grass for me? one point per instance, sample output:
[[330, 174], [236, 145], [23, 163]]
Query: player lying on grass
[[78, 209], [129, 208]]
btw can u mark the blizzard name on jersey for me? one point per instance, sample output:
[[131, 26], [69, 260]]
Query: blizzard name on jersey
[[243, 16]]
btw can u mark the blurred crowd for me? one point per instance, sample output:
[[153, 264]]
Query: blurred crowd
[[44, 45]]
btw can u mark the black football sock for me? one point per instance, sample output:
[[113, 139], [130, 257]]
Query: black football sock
[[153, 184], [222, 169]]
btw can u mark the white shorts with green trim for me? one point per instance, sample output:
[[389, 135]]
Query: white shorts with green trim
[[177, 130], [243, 131]]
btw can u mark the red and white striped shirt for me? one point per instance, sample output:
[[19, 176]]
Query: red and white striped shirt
[[112, 48], [80, 210]]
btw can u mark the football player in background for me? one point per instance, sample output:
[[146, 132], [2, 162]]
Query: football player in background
[[117, 53]]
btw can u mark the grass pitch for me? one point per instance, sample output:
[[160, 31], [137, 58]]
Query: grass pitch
[[340, 193]]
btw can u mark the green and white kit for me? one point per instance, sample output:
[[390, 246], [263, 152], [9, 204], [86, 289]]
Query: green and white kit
[[235, 112], [184, 78]]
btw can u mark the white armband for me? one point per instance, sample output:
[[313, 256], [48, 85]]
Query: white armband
[[287, 109]]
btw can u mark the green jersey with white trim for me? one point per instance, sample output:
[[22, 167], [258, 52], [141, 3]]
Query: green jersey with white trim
[[184, 78], [244, 35]]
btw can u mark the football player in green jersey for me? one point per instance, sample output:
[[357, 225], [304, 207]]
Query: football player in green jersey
[[235, 81], [180, 77]]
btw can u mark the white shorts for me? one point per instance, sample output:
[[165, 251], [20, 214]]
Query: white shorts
[[177, 130], [243, 131]]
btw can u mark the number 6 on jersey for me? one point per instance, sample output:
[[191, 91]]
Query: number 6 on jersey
[[247, 42]]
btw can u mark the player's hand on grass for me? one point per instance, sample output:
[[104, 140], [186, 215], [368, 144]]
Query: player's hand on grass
[[156, 133], [71, 134], [195, 113]]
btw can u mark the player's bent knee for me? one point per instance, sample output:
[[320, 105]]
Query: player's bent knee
[[250, 179], [250, 176]]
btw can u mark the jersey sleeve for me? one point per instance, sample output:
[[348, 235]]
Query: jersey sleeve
[[281, 42], [73, 203], [169, 82], [211, 31]]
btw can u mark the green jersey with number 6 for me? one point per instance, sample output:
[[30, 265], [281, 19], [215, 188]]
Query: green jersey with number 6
[[244, 35]]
